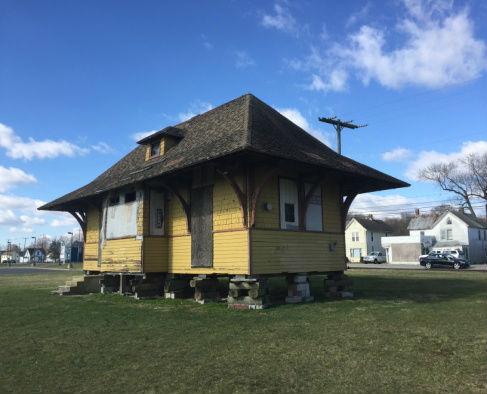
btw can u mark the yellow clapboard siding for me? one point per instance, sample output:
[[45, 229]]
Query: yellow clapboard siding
[[155, 254], [90, 254], [332, 218], [270, 194], [122, 255], [230, 254], [175, 215], [226, 207], [289, 251]]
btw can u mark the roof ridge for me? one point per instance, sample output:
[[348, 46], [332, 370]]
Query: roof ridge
[[248, 119]]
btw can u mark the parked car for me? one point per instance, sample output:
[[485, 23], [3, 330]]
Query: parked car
[[442, 260], [375, 257]]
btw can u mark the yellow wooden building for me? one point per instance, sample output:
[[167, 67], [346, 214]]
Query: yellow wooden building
[[238, 191]]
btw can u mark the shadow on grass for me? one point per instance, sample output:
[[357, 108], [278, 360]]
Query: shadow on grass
[[421, 289]]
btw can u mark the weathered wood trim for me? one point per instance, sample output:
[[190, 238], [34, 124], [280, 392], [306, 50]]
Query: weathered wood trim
[[256, 193], [80, 217], [345, 206], [297, 231], [242, 198]]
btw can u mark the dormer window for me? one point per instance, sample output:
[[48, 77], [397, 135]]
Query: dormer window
[[155, 149]]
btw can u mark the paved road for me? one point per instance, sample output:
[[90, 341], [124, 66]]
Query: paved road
[[475, 267]]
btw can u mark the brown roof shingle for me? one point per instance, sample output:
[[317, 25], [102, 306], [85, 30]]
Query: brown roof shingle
[[243, 124]]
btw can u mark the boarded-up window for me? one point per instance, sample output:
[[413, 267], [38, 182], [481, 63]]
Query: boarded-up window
[[288, 196], [121, 218], [202, 227], [314, 213], [156, 213]]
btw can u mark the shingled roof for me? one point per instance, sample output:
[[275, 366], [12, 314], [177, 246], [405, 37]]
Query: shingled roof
[[374, 225], [245, 124]]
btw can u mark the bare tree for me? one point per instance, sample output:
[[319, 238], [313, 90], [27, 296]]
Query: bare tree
[[467, 178], [477, 167]]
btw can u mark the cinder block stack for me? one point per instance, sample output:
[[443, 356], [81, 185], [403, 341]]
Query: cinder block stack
[[248, 293], [176, 287], [298, 288], [338, 285], [205, 289]]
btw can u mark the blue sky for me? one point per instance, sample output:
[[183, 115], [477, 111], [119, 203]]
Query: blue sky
[[79, 81]]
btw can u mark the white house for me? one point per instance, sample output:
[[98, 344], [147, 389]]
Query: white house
[[451, 230], [363, 236], [33, 255]]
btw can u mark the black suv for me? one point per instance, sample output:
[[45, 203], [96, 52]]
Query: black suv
[[442, 260]]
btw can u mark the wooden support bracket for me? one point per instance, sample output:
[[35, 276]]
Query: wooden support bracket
[[184, 204], [242, 197], [80, 217], [345, 205]]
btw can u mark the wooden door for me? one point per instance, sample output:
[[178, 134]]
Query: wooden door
[[202, 227]]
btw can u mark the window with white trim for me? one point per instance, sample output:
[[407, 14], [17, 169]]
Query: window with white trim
[[288, 196], [355, 237]]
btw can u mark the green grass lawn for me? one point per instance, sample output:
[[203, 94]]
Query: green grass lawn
[[406, 332]]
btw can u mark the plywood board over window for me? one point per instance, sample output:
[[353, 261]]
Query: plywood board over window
[[202, 227], [121, 219]]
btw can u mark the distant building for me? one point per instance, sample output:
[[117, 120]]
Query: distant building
[[9, 255], [73, 254], [451, 230], [363, 236], [34, 255]]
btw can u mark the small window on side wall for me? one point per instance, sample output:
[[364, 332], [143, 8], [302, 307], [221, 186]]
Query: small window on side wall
[[114, 201], [154, 149], [129, 197], [289, 213]]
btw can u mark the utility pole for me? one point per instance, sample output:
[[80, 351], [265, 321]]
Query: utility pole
[[339, 125]]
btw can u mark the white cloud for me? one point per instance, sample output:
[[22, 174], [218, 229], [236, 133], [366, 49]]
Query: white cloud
[[382, 206], [295, 116], [102, 147], [63, 222], [22, 229], [398, 154], [434, 47], [29, 221], [282, 19], [243, 60], [20, 203], [196, 108], [358, 16], [12, 177], [7, 216], [142, 134], [336, 81], [18, 149], [426, 158], [206, 43]]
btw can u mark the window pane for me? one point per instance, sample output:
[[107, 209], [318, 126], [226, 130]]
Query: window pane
[[154, 149], [129, 197], [289, 212]]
